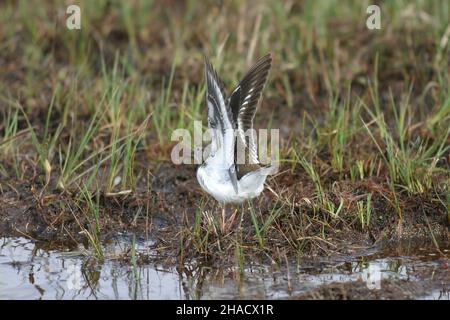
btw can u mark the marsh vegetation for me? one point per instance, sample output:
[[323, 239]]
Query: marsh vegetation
[[86, 118]]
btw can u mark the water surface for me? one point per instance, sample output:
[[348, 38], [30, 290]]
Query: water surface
[[28, 271]]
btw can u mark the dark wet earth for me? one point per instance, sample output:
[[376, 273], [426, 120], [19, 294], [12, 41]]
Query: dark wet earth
[[406, 271]]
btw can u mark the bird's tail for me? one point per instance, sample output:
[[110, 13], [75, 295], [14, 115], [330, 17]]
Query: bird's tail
[[267, 171]]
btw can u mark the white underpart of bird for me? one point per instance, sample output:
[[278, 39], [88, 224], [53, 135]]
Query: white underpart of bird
[[229, 118]]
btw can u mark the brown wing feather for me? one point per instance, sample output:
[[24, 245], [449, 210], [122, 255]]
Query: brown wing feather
[[244, 100]]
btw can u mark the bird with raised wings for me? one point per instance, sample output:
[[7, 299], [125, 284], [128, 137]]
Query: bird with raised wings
[[229, 118]]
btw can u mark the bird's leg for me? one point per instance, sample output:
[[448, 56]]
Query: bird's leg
[[242, 214], [232, 218], [222, 227]]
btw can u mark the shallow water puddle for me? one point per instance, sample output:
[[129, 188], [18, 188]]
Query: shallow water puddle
[[30, 272]]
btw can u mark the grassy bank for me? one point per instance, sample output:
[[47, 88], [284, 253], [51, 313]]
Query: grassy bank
[[86, 118]]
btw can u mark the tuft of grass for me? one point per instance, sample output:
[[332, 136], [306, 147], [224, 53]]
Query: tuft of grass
[[72, 158], [365, 211], [411, 164], [8, 142], [92, 214]]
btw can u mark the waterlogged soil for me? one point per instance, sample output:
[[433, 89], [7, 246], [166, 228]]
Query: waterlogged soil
[[36, 270], [45, 255], [167, 195]]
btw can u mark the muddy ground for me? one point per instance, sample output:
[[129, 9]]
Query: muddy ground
[[168, 198]]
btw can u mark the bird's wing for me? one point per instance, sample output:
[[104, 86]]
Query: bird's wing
[[244, 99], [219, 113], [220, 121]]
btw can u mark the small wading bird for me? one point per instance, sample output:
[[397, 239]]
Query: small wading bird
[[229, 118]]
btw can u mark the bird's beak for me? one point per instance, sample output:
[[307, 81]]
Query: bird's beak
[[233, 178]]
